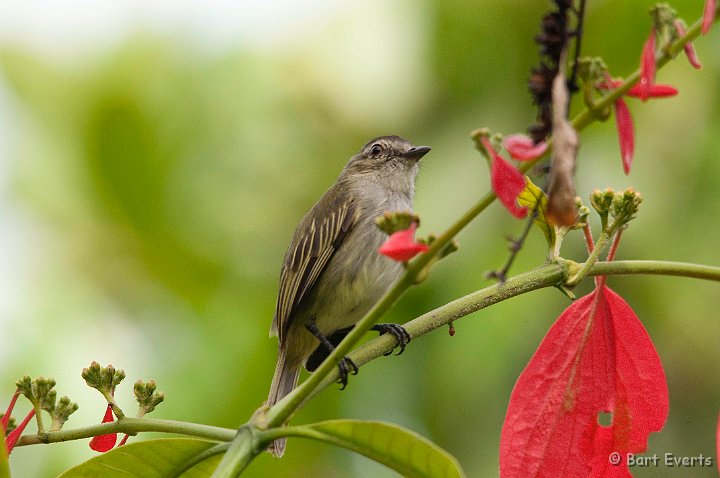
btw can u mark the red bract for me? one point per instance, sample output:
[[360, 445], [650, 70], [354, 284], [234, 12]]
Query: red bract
[[708, 16], [645, 92], [12, 438], [597, 358], [689, 48], [401, 246], [623, 119], [506, 181], [626, 133], [523, 148], [647, 88], [647, 67], [6, 417], [103, 443]]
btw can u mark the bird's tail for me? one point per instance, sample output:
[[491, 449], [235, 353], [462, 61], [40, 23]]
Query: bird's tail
[[284, 380]]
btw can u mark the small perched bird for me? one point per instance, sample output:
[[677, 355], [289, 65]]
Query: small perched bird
[[332, 273]]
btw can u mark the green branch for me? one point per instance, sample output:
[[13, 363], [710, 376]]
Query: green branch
[[665, 268], [244, 447], [131, 426], [544, 276]]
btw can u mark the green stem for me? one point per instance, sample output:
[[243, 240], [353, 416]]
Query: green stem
[[131, 426], [666, 268], [591, 260], [243, 449], [544, 276], [38, 417]]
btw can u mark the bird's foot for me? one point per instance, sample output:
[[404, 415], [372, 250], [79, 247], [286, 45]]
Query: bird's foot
[[346, 367], [397, 331]]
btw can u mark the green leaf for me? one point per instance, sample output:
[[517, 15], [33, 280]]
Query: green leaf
[[4, 465], [404, 451], [533, 198], [162, 458]]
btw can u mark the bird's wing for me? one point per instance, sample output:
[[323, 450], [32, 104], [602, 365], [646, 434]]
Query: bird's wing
[[316, 241]]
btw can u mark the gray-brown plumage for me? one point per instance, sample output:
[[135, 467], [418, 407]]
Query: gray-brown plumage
[[332, 273]]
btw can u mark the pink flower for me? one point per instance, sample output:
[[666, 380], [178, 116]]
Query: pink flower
[[623, 119], [401, 245], [708, 16], [647, 67], [523, 148], [689, 48], [647, 88], [103, 443], [626, 133], [645, 92]]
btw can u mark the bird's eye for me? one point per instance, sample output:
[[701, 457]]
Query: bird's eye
[[376, 149]]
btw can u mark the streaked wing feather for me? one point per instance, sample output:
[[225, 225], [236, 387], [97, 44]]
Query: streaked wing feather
[[303, 266]]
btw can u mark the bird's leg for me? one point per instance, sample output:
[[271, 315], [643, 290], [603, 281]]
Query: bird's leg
[[321, 353], [345, 366], [397, 331]]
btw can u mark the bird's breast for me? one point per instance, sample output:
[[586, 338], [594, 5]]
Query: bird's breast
[[356, 278]]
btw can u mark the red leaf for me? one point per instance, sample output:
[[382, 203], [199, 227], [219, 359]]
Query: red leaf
[[103, 443], [401, 246], [689, 48], [523, 148], [626, 133], [596, 358], [708, 16], [506, 181]]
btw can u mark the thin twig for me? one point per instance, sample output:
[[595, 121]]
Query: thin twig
[[515, 248]]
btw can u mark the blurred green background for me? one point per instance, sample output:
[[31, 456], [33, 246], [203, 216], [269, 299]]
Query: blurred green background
[[156, 157]]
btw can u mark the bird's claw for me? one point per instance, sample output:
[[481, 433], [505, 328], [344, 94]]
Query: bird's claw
[[396, 330], [345, 367]]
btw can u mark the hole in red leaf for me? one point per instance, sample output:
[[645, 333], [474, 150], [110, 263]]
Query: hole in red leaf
[[605, 419]]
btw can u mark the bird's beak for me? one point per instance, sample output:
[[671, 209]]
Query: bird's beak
[[417, 152]]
